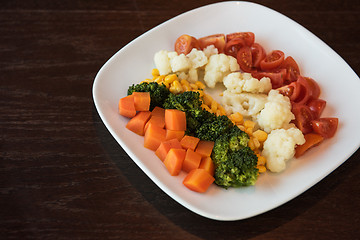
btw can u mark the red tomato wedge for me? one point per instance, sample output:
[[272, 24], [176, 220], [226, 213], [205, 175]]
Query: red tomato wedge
[[273, 60], [258, 54], [244, 59], [185, 43], [303, 117], [218, 40], [317, 106], [311, 140], [326, 127], [292, 90], [277, 78], [233, 46], [310, 90], [247, 37], [292, 69]]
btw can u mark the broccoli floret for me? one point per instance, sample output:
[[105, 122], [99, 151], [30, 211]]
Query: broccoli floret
[[235, 163], [158, 92], [211, 129], [190, 103]]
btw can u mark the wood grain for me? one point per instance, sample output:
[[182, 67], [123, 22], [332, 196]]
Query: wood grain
[[63, 176]]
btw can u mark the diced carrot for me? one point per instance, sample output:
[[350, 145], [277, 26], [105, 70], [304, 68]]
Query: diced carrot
[[205, 148], [174, 160], [142, 101], [311, 140], [189, 142], [127, 106], [158, 120], [171, 134], [154, 135], [165, 147], [198, 180], [137, 123], [158, 111], [192, 160], [207, 164], [175, 120]]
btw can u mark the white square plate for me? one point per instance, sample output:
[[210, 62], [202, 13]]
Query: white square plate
[[338, 82]]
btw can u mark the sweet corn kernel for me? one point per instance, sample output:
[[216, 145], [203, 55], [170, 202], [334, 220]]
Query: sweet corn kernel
[[200, 85], [251, 144], [194, 86], [260, 135], [262, 169], [147, 81], [261, 160], [248, 130], [249, 124], [237, 117], [207, 99], [176, 87], [155, 72], [185, 82], [256, 142], [241, 127], [170, 78], [213, 106]]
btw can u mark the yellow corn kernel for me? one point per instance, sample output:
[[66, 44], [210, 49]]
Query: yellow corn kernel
[[186, 88], [249, 124], [248, 130], [184, 82], [213, 106], [200, 85], [208, 99], [261, 160], [155, 72], [176, 87], [167, 85], [260, 135], [170, 78], [251, 144], [222, 109], [194, 86], [262, 169], [237, 118], [256, 142], [206, 107], [159, 79], [241, 127]]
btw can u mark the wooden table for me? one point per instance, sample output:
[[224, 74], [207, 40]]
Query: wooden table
[[62, 174]]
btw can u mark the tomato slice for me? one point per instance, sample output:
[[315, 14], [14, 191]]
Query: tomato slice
[[315, 89], [311, 140], [317, 106], [310, 90], [185, 43], [303, 117], [244, 59], [292, 69], [248, 37], [277, 78], [292, 90], [258, 54], [218, 40], [272, 60], [326, 127], [233, 46]]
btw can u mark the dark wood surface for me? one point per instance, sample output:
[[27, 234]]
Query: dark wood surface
[[63, 176]]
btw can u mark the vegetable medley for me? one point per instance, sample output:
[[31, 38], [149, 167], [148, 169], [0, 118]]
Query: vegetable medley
[[269, 112]]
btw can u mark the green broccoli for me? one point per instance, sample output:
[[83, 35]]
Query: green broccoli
[[214, 127], [235, 163], [158, 92], [190, 103]]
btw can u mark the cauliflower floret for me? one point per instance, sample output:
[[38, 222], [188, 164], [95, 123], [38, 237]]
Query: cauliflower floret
[[238, 82], [279, 147], [218, 67], [276, 113], [210, 50], [162, 62], [197, 58], [179, 63], [247, 104]]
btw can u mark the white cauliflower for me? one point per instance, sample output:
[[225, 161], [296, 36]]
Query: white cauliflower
[[247, 104], [197, 58], [219, 65], [276, 113], [279, 147], [210, 50], [238, 82], [162, 62], [179, 63]]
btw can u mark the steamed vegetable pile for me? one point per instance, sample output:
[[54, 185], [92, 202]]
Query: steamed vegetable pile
[[269, 112]]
